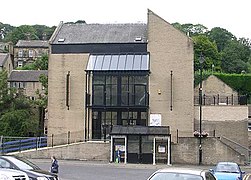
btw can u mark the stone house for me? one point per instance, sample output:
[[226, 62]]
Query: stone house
[[27, 82], [6, 62], [26, 51]]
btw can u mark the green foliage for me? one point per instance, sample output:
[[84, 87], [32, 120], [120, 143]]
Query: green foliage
[[44, 32], [203, 45], [235, 57], [221, 37], [5, 29], [239, 82], [42, 99], [220, 48], [24, 32], [17, 115], [205, 75], [40, 63], [6, 94], [17, 123], [192, 30]]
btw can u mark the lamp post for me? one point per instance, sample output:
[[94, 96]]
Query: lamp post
[[201, 60]]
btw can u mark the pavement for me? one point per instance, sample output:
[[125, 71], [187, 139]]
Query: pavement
[[130, 165]]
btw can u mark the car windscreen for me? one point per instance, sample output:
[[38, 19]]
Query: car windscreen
[[22, 163], [231, 168], [175, 176]]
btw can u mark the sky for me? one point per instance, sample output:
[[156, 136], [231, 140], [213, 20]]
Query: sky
[[233, 16]]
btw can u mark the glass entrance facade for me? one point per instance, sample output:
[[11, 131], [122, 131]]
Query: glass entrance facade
[[118, 99]]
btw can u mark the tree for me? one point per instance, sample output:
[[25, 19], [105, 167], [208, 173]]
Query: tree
[[192, 30], [41, 63], [235, 58], [23, 32], [203, 45], [17, 115], [4, 30], [221, 37], [43, 32], [6, 94]]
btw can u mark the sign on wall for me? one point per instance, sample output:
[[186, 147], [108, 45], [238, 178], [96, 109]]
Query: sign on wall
[[155, 119]]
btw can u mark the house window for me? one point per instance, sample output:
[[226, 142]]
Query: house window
[[20, 53], [21, 85], [30, 53], [13, 84], [249, 126], [19, 63]]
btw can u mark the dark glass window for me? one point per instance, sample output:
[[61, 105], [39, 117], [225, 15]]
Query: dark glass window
[[111, 90], [120, 90], [98, 95], [140, 95]]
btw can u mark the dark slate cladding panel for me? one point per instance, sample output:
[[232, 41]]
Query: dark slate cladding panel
[[99, 48]]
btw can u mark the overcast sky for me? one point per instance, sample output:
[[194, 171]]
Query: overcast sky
[[233, 15]]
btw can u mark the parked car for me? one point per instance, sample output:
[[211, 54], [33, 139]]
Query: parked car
[[11, 174], [22, 164], [182, 174], [227, 170]]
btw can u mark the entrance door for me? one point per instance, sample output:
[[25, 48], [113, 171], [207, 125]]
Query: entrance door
[[118, 149], [161, 153], [133, 149]]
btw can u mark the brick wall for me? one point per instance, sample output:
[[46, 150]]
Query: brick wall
[[170, 50], [184, 152], [79, 151], [60, 118], [222, 113], [213, 151]]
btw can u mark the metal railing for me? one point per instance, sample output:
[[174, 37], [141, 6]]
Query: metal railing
[[12, 144], [221, 100]]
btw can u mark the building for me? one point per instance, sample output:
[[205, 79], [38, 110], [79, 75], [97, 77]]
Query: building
[[6, 62], [27, 82], [26, 51], [108, 80], [102, 75]]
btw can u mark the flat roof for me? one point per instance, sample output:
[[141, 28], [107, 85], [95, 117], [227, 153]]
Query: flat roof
[[140, 130]]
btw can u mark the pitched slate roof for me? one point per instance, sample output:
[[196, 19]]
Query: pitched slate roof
[[33, 43], [3, 58], [26, 75], [100, 33]]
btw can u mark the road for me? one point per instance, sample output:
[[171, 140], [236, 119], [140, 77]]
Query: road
[[85, 170]]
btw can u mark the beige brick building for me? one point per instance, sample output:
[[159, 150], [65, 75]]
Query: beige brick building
[[169, 55], [104, 75]]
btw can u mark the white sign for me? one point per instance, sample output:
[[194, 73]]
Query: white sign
[[162, 149], [155, 119]]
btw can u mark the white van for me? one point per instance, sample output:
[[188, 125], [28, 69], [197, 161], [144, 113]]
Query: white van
[[11, 174]]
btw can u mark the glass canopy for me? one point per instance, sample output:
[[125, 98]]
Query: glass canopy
[[118, 62]]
